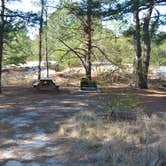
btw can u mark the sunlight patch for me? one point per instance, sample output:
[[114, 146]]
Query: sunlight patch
[[38, 141], [29, 108], [9, 142], [27, 155], [7, 154]]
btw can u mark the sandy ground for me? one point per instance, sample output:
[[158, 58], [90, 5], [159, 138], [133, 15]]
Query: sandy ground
[[30, 122]]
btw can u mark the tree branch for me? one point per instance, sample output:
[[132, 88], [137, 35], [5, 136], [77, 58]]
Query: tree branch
[[105, 55], [75, 52]]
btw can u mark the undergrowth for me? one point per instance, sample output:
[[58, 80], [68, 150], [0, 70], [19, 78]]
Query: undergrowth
[[126, 102], [118, 143]]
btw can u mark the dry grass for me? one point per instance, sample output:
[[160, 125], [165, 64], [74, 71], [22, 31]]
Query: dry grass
[[138, 143], [17, 78]]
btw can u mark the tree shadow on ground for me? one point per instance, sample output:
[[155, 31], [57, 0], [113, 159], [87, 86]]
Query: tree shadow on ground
[[152, 100], [30, 121]]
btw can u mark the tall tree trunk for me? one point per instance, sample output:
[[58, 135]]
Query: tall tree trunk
[[46, 45], [138, 50], [1, 39], [147, 42], [88, 39], [40, 38]]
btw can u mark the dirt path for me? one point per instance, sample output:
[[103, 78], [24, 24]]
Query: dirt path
[[30, 121], [29, 126]]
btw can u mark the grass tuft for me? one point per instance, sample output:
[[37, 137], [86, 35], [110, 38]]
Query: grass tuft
[[119, 143]]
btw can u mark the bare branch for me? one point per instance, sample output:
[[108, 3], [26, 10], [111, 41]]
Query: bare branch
[[75, 52], [105, 55]]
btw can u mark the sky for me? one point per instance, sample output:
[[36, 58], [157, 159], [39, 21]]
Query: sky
[[31, 5], [28, 5], [25, 5]]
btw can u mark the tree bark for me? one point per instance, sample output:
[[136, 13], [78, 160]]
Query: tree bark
[[40, 38], [142, 62], [147, 42], [1, 40], [46, 45], [138, 50], [88, 40]]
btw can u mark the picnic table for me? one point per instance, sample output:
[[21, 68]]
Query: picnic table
[[46, 83]]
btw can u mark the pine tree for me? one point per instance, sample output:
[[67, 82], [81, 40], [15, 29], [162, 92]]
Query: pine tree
[[86, 12], [143, 31]]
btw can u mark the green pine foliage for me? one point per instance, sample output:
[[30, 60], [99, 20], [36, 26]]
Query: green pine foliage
[[112, 43], [17, 47]]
